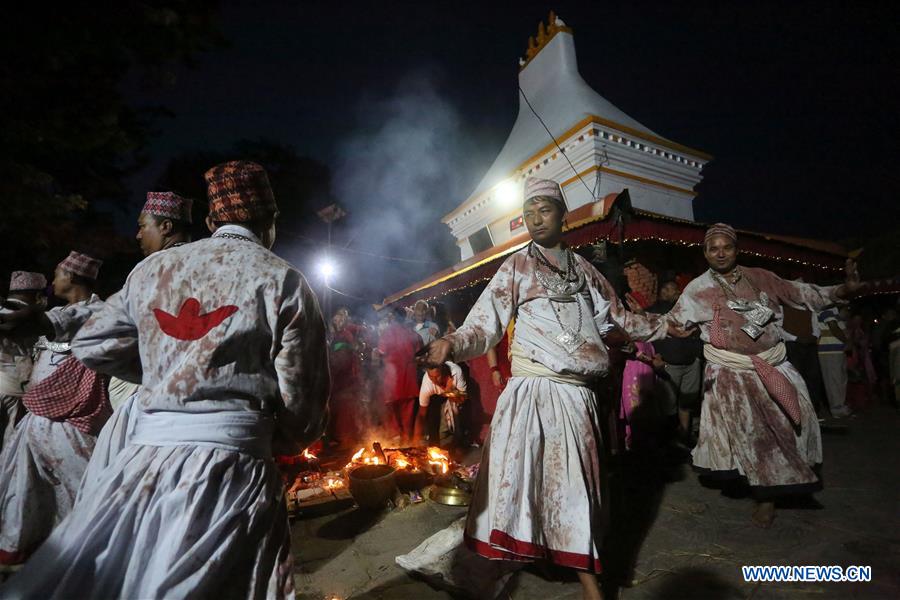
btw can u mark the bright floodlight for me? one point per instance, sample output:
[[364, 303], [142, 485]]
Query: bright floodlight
[[327, 268], [508, 194]]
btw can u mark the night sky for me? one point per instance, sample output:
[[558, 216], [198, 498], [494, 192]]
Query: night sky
[[797, 102]]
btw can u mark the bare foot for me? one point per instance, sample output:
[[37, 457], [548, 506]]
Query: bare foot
[[764, 514], [590, 587]]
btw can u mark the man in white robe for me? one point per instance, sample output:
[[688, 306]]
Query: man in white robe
[[538, 490], [25, 289], [757, 424], [42, 464], [229, 344], [164, 222]]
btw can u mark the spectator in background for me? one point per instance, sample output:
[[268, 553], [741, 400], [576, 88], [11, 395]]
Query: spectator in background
[[25, 289], [397, 347], [801, 340], [488, 375], [422, 322], [882, 331], [833, 360], [679, 383], [894, 361], [442, 392], [638, 412], [861, 377], [442, 318], [346, 378]]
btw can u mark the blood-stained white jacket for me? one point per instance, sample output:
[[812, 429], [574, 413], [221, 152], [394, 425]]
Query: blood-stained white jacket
[[515, 292], [221, 324]]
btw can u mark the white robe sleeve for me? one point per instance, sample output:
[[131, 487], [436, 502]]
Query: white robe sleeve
[[108, 341], [486, 322], [301, 365], [67, 320], [641, 328], [800, 295]]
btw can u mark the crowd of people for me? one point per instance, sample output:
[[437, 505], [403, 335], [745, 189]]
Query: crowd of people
[[139, 431], [381, 392], [143, 465]]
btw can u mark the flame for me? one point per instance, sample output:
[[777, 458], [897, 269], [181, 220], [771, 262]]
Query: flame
[[438, 463], [309, 455], [434, 457], [334, 484], [437, 454]]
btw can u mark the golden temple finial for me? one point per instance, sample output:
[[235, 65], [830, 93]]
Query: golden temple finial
[[544, 35]]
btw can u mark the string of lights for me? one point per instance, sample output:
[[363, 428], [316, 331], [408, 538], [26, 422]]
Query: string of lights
[[684, 243]]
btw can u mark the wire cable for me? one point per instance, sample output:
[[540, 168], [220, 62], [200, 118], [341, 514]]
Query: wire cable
[[561, 151]]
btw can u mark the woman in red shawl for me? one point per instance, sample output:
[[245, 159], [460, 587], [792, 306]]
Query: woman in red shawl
[[397, 347], [346, 378]]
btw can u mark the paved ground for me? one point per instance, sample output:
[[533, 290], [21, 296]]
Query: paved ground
[[671, 537]]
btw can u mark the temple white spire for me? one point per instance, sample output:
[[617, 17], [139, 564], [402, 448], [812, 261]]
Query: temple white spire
[[595, 135]]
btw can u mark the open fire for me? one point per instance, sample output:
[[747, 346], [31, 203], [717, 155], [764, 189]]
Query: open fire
[[431, 460], [313, 481]]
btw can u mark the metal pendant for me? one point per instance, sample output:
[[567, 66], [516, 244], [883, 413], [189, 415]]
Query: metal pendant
[[753, 330], [570, 340], [739, 305], [57, 347], [759, 315]]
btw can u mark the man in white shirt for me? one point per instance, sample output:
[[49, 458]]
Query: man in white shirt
[[25, 289], [447, 385], [833, 360], [422, 325]]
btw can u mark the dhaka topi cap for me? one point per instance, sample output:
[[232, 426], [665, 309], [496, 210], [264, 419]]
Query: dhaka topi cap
[[239, 192], [720, 229], [168, 205], [81, 264], [544, 188], [26, 281]]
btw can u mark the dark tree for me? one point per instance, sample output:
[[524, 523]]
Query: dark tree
[[67, 136], [301, 185]]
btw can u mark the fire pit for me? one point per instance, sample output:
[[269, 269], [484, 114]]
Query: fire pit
[[373, 476], [408, 480], [413, 461], [372, 485]]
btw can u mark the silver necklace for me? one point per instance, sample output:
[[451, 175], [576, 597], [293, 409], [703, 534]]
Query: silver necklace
[[234, 236], [562, 287]]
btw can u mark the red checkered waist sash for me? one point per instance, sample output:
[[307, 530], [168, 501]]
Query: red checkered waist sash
[[776, 383], [73, 394]]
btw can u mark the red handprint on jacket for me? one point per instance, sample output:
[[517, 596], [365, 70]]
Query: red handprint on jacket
[[189, 324]]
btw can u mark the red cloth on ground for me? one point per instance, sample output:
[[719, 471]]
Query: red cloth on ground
[[73, 394]]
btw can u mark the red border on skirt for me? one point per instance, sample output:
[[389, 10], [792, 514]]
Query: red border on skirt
[[12, 558], [512, 549]]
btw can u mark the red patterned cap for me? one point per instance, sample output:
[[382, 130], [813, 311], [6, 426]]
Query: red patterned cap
[[168, 205], [26, 281], [544, 188], [720, 229], [81, 264], [239, 192]]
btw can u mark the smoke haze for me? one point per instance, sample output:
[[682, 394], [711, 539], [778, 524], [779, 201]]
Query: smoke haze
[[410, 162]]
